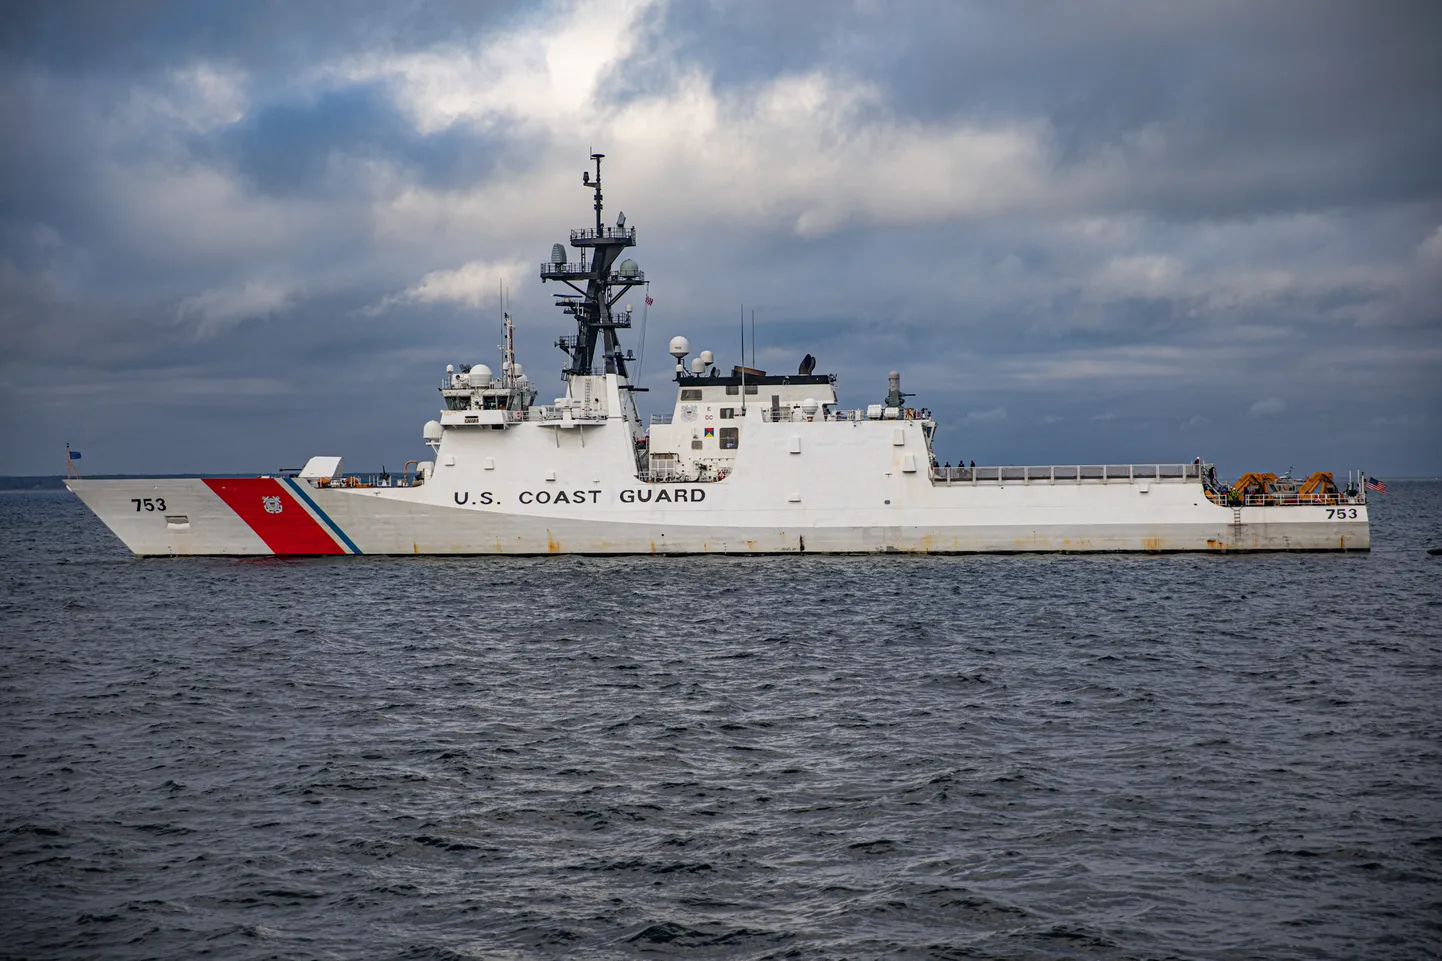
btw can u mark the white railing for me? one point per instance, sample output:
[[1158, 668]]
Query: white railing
[[1302, 500], [787, 415], [670, 476], [473, 417], [1068, 474], [535, 414], [405, 479]]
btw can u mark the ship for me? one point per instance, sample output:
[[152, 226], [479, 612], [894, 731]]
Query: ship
[[746, 462]]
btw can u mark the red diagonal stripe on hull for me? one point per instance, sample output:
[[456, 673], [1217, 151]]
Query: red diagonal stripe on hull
[[289, 531]]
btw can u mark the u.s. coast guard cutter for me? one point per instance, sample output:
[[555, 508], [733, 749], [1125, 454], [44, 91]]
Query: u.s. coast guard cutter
[[747, 462]]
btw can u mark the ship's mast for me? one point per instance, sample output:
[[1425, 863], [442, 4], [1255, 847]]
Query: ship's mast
[[508, 360], [605, 284]]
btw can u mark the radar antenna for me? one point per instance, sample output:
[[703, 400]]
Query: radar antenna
[[605, 283]]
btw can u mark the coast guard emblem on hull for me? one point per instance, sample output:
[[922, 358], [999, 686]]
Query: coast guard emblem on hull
[[688, 412], [272, 504]]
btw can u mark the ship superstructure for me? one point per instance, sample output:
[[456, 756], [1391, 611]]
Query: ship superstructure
[[746, 462]]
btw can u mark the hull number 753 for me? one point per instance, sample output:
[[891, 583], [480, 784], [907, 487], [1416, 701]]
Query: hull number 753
[[148, 503], [1341, 513]]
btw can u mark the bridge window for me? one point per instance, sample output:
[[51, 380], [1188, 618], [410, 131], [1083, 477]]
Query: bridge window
[[733, 389], [690, 394], [752, 389], [730, 438], [728, 413]]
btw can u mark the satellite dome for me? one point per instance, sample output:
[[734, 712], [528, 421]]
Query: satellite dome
[[558, 254], [698, 366], [707, 358], [480, 376], [628, 268], [518, 370], [432, 431], [680, 347], [810, 406]]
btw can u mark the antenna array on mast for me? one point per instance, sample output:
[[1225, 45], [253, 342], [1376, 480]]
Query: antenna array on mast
[[605, 283]]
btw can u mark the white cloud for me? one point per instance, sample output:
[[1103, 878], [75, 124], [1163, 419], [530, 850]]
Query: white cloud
[[198, 97], [807, 151], [1267, 407], [1222, 287], [215, 310], [985, 416], [191, 213], [1416, 292], [1138, 276], [540, 72], [1114, 364], [476, 284]]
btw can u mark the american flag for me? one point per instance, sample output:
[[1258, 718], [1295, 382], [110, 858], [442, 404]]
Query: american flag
[[1373, 484], [649, 301]]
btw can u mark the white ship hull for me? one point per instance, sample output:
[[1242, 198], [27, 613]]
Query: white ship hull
[[847, 493]]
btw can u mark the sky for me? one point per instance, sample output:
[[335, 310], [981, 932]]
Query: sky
[[233, 236]]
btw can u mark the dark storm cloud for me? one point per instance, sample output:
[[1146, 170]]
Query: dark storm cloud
[[1248, 108], [286, 148], [125, 38], [1203, 226]]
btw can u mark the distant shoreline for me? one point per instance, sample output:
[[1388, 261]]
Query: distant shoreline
[[22, 483]]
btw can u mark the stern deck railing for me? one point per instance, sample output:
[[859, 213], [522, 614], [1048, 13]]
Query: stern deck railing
[[1068, 474]]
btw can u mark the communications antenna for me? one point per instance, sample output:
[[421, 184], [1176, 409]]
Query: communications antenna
[[605, 282]]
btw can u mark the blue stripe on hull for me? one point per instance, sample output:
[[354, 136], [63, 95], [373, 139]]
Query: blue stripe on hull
[[300, 492]]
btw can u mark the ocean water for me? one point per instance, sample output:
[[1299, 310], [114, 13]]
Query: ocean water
[[802, 757]]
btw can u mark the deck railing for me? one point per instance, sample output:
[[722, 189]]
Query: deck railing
[[663, 475], [605, 233], [404, 479], [1303, 500], [1068, 474], [788, 414], [576, 271], [537, 414]]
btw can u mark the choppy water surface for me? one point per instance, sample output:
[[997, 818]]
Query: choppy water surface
[[808, 757]]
